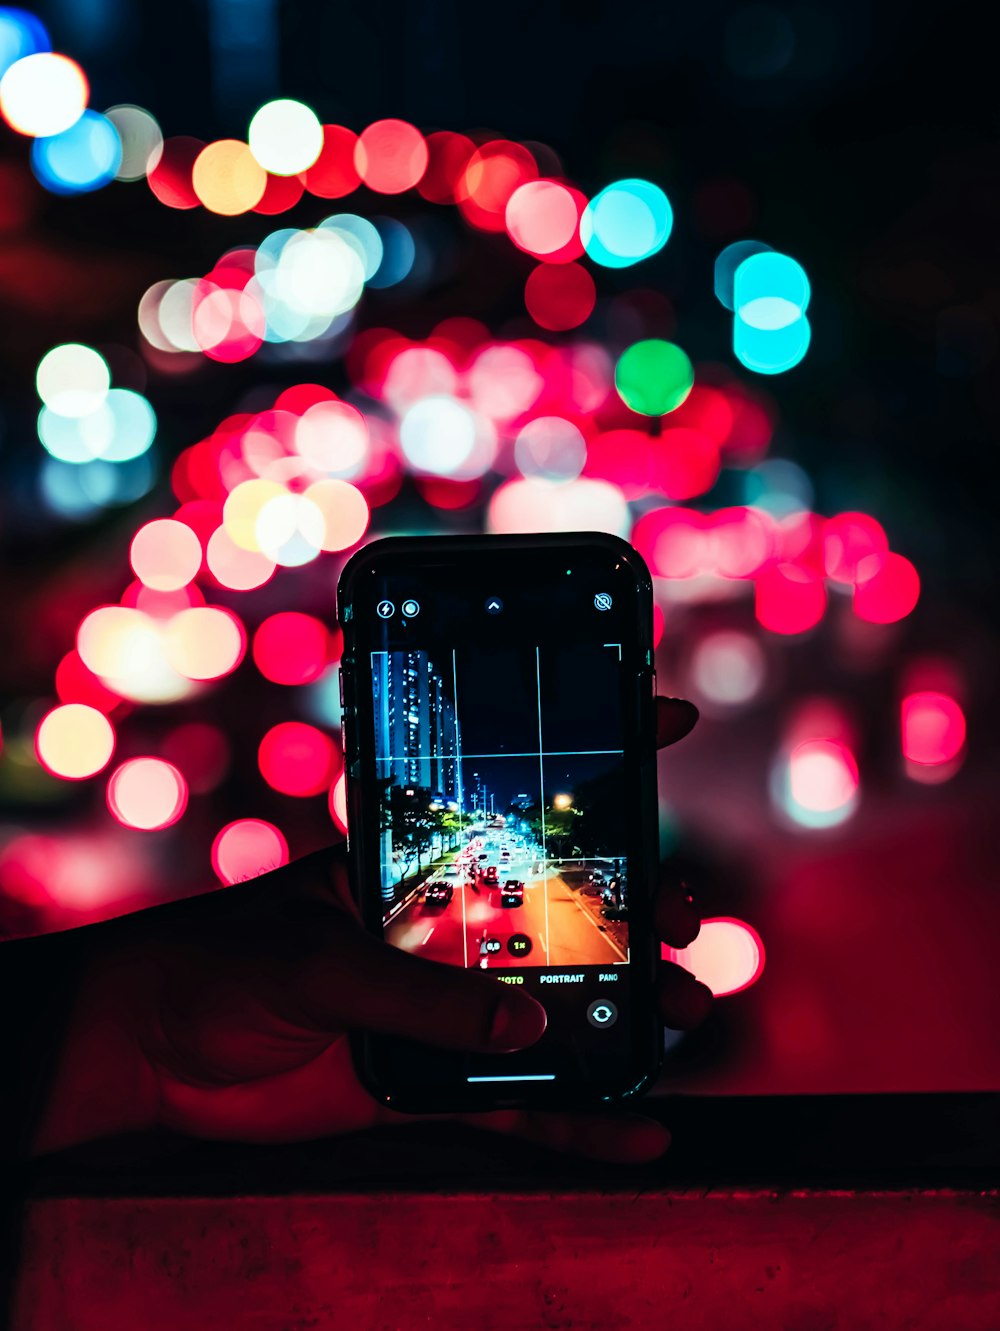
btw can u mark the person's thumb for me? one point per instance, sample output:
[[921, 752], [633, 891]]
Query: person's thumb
[[361, 983]]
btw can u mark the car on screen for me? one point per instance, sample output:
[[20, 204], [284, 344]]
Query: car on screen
[[491, 874], [438, 893], [512, 893]]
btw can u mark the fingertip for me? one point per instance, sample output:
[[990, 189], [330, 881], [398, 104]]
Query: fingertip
[[518, 1021]]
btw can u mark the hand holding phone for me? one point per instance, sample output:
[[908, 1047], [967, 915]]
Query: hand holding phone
[[500, 736]]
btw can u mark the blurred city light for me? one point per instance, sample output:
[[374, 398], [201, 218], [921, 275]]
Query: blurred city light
[[43, 94], [21, 34], [227, 178], [887, 588], [285, 137], [85, 157], [291, 648], [246, 848], [390, 156], [932, 729], [297, 759], [625, 223], [147, 794], [141, 140], [73, 380], [816, 784], [727, 955], [653, 377], [74, 741], [165, 554]]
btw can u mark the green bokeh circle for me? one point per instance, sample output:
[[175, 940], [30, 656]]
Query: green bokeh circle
[[653, 377]]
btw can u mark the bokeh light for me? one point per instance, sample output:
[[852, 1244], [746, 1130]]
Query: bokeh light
[[147, 794], [333, 173], [932, 727], [43, 94], [559, 296], [390, 156], [21, 34], [291, 648], [887, 588], [85, 157], [653, 377], [728, 669], [165, 555], [227, 178], [727, 263], [438, 435], [246, 848], [727, 955], [74, 741], [626, 222], [169, 174], [73, 380], [550, 448], [204, 643], [297, 759], [543, 219], [285, 137], [141, 140], [344, 511], [234, 567], [789, 599], [816, 785]]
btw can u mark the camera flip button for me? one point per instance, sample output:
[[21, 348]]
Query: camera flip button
[[602, 1013]]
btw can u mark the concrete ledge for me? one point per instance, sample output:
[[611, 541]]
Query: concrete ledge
[[688, 1259]]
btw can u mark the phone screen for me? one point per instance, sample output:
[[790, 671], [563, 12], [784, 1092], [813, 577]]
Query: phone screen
[[499, 700]]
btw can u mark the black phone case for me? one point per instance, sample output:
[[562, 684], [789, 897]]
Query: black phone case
[[644, 956]]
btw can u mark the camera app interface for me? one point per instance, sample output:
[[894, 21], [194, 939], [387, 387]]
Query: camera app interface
[[502, 822]]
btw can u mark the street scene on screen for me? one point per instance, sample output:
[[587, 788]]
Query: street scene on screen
[[502, 806]]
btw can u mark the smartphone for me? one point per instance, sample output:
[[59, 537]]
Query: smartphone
[[499, 733]]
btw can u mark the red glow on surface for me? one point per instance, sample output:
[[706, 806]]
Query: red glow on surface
[[297, 759], [822, 775], [147, 794], [280, 194], [686, 463], [75, 683], [291, 648], [247, 848], [559, 296], [933, 728], [448, 155], [848, 538], [727, 955], [659, 624], [170, 179], [390, 156], [74, 741], [333, 174], [337, 802], [887, 588], [200, 752], [493, 173], [789, 599], [543, 219]]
